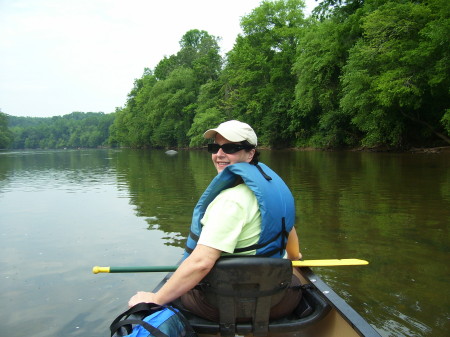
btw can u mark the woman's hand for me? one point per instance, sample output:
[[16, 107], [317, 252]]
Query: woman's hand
[[190, 272], [142, 296]]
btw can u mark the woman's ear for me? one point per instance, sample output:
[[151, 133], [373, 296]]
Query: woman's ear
[[250, 154]]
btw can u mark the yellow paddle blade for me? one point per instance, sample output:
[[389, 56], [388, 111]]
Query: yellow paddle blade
[[329, 263]]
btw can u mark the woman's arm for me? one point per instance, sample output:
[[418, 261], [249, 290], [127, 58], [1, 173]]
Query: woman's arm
[[293, 246], [190, 272]]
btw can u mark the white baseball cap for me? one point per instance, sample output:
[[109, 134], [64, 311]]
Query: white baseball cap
[[234, 131]]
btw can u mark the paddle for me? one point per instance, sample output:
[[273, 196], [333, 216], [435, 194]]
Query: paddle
[[305, 263]]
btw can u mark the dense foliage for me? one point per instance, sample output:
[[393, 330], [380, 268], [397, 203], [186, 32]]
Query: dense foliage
[[162, 105], [358, 73], [5, 134], [77, 129]]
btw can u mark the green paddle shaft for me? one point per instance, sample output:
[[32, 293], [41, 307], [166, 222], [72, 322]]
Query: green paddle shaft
[[305, 263]]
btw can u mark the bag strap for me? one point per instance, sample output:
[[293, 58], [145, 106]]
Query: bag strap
[[143, 309], [147, 326], [140, 307]]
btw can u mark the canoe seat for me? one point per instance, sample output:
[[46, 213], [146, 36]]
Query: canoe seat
[[244, 289]]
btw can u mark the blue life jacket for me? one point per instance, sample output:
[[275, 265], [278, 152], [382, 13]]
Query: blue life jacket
[[275, 201]]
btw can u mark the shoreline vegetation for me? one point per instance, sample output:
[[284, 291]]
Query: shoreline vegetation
[[431, 150], [357, 75]]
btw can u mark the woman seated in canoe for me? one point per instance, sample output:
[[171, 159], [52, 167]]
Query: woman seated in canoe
[[246, 210]]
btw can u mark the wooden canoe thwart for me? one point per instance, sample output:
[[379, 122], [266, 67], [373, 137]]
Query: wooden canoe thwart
[[242, 287]]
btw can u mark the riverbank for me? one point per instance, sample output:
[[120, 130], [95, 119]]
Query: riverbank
[[439, 149], [444, 149]]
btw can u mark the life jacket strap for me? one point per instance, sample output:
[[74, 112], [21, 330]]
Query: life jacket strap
[[257, 245], [279, 249], [268, 178], [193, 237]]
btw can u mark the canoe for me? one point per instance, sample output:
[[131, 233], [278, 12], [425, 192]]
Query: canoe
[[245, 287]]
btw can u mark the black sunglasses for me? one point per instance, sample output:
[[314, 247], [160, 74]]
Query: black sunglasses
[[228, 148]]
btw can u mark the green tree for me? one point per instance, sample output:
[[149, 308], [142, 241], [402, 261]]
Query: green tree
[[200, 52], [321, 56], [165, 67], [258, 76], [6, 135], [208, 112], [130, 127], [170, 109], [338, 9], [161, 107], [397, 77]]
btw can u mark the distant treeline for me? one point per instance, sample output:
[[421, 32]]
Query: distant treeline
[[78, 129], [358, 73]]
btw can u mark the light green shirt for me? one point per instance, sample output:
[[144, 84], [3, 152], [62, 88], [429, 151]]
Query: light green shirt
[[232, 220]]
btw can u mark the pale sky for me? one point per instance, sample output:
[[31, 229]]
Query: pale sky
[[60, 56]]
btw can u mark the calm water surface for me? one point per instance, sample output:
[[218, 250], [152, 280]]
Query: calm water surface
[[62, 212]]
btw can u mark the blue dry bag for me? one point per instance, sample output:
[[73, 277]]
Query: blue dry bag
[[151, 320]]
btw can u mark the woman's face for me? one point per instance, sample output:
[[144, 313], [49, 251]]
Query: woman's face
[[222, 159]]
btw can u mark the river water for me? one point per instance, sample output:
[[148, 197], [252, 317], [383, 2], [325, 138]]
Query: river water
[[62, 212]]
